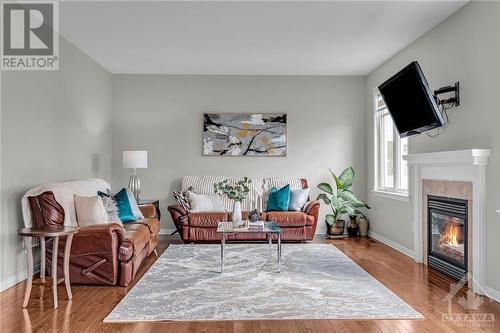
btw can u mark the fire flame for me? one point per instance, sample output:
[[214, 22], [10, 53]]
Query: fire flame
[[451, 236]]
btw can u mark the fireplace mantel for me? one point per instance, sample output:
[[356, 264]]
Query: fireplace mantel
[[460, 165], [455, 157]]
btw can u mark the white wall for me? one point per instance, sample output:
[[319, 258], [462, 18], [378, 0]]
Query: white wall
[[55, 127], [163, 114], [466, 48]]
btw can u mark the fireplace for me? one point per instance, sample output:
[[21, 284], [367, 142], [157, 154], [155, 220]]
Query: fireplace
[[447, 235]]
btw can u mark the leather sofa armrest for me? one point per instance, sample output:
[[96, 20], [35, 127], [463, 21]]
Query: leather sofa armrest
[[177, 209], [94, 253], [148, 211], [104, 235], [184, 220], [311, 208], [97, 239], [126, 250]]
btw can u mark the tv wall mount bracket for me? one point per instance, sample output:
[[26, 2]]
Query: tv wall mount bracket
[[452, 98]]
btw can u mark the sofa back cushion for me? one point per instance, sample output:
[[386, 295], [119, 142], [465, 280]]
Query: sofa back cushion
[[205, 185], [259, 189], [63, 194]]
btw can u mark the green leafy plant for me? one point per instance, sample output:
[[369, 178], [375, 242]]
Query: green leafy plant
[[234, 191], [342, 200]]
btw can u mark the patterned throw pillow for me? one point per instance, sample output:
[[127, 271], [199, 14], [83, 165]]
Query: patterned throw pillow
[[128, 210], [111, 209], [182, 198]]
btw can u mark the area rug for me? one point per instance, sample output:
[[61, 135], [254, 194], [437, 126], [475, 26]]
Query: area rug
[[317, 281]]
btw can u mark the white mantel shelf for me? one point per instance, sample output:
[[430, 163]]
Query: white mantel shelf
[[460, 165], [460, 157]]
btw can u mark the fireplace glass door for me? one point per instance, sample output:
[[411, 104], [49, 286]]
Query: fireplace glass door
[[448, 231]]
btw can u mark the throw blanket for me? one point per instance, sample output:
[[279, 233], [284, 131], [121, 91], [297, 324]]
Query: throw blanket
[[64, 195]]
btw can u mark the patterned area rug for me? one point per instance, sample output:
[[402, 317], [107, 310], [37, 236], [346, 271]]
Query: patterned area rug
[[316, 281]]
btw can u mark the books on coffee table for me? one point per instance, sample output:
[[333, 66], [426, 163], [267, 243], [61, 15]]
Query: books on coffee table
[[257, 226]]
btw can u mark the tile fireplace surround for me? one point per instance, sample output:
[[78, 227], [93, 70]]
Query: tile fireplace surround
[[459, 174]]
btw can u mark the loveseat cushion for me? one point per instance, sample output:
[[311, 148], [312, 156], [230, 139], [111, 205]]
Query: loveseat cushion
[[207, 219], [287, 219], [138, 234], [151, 223]]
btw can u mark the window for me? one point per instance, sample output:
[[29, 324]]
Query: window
[[391, 168]]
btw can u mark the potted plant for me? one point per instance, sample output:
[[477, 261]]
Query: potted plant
[[237, 192], [341, 201]]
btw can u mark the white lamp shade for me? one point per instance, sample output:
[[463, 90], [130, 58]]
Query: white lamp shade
[[135, 159]]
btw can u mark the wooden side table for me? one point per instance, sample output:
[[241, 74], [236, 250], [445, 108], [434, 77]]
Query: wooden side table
[[43, 232]]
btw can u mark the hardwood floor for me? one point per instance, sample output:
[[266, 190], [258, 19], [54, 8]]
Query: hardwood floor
[[421, 288]]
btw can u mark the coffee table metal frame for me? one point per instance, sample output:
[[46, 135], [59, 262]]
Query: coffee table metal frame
[[270, 228]]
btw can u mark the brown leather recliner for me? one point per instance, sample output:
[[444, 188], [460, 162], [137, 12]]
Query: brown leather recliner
[[103, 254], [202, 227]]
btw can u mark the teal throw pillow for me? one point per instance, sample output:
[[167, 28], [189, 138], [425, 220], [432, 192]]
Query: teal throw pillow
[[279, 200], [124, 206]]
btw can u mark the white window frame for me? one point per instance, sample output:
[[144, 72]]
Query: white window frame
[[395, 192]]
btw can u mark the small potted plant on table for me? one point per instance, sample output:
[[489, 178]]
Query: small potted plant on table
[[237, 192], [341, 201]]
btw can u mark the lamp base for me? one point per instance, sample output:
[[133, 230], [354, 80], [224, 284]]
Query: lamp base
[[134, 186]]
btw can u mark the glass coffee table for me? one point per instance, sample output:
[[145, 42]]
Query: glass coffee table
[[268, 228]]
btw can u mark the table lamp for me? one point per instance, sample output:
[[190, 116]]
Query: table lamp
[[135, 159]]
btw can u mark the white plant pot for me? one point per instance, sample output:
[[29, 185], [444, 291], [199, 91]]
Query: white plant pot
[[236, 215]]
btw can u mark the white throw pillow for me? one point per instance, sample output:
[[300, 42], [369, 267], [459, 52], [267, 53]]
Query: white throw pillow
[[205, 203], [298, 199], [90, 211]]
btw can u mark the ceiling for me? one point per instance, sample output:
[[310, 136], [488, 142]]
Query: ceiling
[[256, 38]]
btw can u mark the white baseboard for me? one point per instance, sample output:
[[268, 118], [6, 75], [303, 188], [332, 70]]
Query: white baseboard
[[320, 232], [492, 293], [15, 279], [166, 231], [394, 245]]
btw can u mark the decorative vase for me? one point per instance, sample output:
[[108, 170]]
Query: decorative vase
[[363, 226], [353, 228], [335, 229], [236, 215]]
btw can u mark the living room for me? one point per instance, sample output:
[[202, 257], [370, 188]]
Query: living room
[[253, 166]]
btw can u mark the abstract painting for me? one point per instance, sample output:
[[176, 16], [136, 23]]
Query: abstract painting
[[244, 134]]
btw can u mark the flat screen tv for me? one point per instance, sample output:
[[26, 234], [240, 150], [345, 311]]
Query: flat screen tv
[[410, 101]]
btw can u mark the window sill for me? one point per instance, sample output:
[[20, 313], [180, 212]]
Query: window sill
[[392, 195]]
